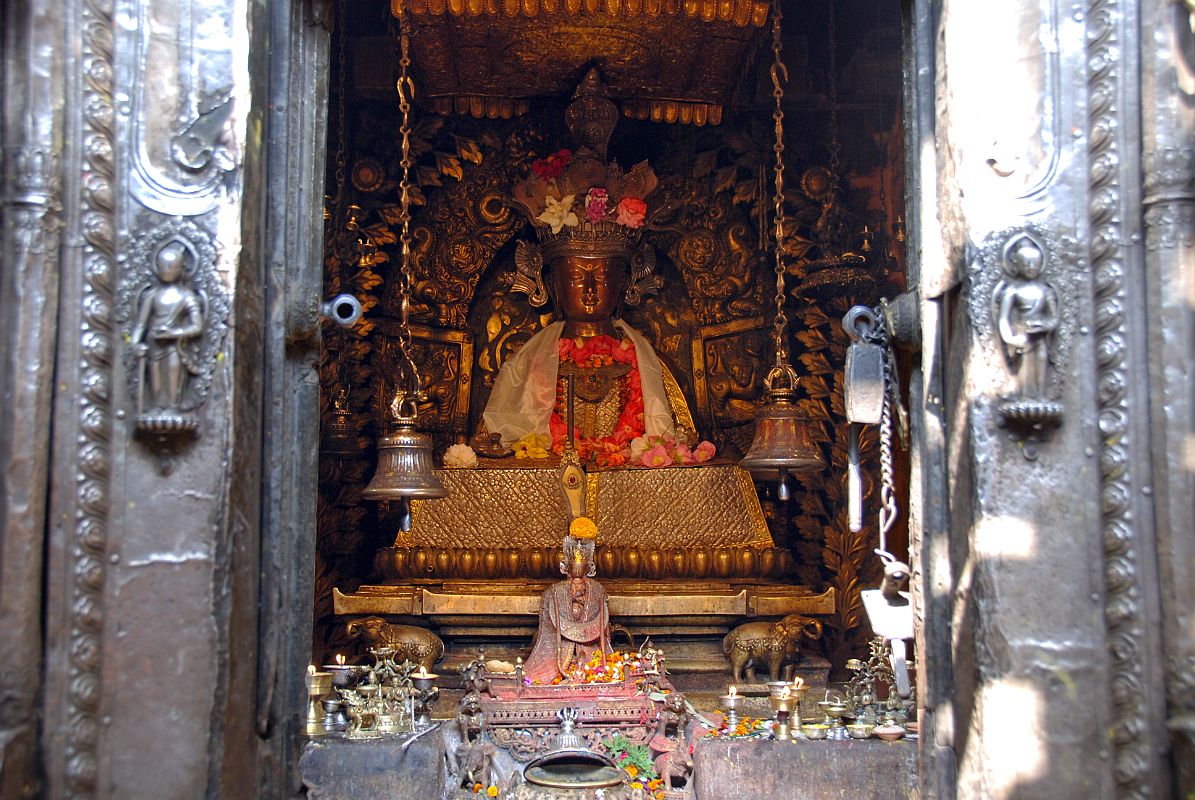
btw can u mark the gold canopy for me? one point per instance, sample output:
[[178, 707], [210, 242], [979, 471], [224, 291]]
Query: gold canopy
[[665, 60]]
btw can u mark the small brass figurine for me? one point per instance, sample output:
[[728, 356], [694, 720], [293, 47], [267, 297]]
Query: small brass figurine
[[472, 760], [777, 645], [574, 618], [408, 641]]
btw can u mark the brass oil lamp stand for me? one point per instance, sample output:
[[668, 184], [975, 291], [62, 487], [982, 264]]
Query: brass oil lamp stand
[[730, 702], [425, 694], [319, 686], [835, 710], [785, 698]]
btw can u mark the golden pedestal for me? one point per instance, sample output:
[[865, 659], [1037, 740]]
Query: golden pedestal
[[522, 506], [684, 553]]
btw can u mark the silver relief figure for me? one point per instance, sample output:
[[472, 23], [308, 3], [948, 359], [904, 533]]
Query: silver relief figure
[[1026, 311], [169, 321]]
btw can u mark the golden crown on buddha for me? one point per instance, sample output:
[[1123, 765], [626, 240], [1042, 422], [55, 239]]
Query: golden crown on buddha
[[582, 205]]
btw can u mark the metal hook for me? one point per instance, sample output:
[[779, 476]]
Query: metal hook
[[860, 323]]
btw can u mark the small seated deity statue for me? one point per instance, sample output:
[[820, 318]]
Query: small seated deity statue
[[588, 215], [574, 618]]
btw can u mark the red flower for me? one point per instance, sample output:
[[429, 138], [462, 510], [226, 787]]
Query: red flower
[[631, 211], [552, 166]]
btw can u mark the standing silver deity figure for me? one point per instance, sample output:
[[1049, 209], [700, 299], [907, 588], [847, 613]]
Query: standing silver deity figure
[[169, 318], [1026, 310]]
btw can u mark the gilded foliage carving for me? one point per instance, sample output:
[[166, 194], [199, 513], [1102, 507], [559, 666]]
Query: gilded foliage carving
[[711, 243]]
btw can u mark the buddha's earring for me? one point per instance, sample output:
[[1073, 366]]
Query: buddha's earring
[[528, 276], [644, 280]]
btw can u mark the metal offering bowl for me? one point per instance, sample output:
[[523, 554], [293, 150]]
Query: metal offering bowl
[[343, 675], [860, 730], [834, 709], [815, 731]]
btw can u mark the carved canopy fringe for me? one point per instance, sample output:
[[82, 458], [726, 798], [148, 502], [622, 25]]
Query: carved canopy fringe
[[740, 12], [670, 111]]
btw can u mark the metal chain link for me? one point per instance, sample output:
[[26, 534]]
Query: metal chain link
[[340, 143], [835, 147], [406, 92], [779, 77], [888, 507], [878, 334]]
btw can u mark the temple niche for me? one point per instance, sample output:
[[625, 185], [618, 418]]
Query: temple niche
[[685, 553]]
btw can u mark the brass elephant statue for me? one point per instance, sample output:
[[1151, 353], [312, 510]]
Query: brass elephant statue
[[409, 642], [776, 644]]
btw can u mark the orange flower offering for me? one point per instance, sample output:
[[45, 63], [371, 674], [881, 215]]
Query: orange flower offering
[[582, 528], [748, 726]]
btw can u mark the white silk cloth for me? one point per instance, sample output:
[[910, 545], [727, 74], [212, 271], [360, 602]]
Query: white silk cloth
[[525, 390]]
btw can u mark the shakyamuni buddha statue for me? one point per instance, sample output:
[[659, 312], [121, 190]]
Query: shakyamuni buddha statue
[[588, 215]]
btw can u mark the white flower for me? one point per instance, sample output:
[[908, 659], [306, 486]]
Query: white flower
[[559, 213], [639, 446], [460, 456]]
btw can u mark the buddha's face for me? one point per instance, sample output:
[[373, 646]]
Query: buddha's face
[[588, 289]]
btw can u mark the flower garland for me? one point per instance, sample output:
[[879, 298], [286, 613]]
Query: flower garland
[[666, 451], [628, 444], [600, 351], [747, 727]]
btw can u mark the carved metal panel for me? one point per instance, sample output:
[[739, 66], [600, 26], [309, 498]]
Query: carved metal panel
[[445, 357], [180, 93], [1022, 284], [1113, 214], [729, 361], [78, 570]]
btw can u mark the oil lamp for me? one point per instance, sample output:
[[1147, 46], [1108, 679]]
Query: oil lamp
[[730, 702], [782, 443], [404, 471], [319, 685]]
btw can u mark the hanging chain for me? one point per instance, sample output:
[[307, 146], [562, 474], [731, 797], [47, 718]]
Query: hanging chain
[[340, 143], [406, 92], [888, 508], [835, 147], [779, 77], [889, 511]]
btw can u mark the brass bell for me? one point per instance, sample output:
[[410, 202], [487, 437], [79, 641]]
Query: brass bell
[[340, 437], [405, 470], [783, 443]]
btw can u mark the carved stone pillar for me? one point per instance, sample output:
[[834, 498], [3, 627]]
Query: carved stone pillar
[[32, 125], [1168, 142]]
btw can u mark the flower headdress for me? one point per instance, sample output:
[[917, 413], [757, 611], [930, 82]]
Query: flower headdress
[[580, 203]]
